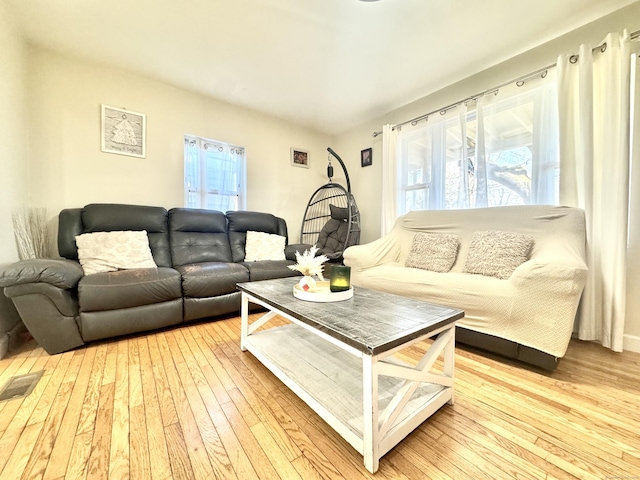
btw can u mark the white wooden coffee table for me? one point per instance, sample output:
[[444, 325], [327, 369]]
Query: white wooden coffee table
[[341, 359]]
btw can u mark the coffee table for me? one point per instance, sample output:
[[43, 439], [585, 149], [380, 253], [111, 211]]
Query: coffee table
[[341, 358]]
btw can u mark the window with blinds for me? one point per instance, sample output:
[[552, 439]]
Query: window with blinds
[[214, 175]]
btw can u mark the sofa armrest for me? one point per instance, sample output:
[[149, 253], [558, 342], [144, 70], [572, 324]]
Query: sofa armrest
[[546, 298], [548, 269], [383, 250], [60, 273]]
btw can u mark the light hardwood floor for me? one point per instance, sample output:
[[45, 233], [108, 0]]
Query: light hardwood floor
[[187, 403]]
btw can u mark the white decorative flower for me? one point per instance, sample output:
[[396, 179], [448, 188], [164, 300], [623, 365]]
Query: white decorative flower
[[308, 264]]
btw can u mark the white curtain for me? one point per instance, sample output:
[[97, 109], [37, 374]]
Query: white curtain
[[214, 175], [594, 116], [389, 179]]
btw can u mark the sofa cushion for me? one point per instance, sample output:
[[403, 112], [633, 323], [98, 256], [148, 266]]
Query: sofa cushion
[[106, 217], [433, 251], [333, 236], [110, 251], [211, 279], [198, 236], [240, 222], [497, 253], [128, 288], [339, 213], [269, 269], [264, 246]]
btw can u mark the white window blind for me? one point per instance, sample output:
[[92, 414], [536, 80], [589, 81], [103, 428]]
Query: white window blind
[[215, 177]]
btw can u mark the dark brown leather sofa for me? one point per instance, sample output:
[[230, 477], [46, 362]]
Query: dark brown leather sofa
[[199, 256]]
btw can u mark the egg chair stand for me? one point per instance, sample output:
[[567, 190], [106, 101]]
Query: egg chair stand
[[332, 219]]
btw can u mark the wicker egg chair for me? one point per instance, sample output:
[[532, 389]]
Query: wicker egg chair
[[332, 219]]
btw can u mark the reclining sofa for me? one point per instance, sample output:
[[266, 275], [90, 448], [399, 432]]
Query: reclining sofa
[[199, 254], [526, 313]]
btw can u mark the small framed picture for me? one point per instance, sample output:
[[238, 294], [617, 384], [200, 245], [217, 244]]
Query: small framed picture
[[123, 132], [299, 157], [365, 157]]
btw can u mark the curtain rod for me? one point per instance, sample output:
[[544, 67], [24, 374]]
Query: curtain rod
[[519, 81]]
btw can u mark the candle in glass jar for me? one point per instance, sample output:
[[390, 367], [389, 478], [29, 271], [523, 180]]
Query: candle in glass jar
[[340, 278]]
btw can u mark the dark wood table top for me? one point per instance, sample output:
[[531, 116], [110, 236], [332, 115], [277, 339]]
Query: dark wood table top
[[371, 321]]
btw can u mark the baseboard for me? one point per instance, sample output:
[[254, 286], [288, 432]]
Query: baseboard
[[631, 343]]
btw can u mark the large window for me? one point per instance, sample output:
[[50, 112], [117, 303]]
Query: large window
[[500, 150], [214, 175]]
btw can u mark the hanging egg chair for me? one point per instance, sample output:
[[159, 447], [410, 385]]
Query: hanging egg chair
[[332, 219]]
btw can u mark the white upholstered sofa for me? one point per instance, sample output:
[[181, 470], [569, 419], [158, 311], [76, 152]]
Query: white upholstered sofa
[[528, 316]]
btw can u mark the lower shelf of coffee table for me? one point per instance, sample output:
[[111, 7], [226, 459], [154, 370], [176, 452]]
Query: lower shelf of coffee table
[[329, 379]]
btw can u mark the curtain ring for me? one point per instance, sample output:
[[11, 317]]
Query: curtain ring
[[544, 74], [603, 48], [574, 58], [442, 112], [520, 83], [414, 123]]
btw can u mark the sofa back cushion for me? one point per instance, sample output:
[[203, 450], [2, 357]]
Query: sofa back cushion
[[69, 227], [557, 231], [103, 217], [106, 217], [198, 236], [240, 222]]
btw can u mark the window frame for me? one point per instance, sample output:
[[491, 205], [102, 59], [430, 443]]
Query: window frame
[[204, 189], [435, 137]]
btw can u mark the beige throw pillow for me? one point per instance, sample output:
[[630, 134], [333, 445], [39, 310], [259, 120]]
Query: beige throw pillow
[[496, 253], [433, 251], [110, 251], [264, 246]]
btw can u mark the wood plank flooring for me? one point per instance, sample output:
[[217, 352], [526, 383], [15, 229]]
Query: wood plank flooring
[[186, 403]]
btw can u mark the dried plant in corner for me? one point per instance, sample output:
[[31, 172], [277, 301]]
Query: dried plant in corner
[[30, 231]]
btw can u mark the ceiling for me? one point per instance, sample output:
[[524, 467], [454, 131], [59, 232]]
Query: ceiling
[[329, 65]]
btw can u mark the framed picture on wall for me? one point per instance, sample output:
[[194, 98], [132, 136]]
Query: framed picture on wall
[[299, 157], [366, 157], [123, 132]]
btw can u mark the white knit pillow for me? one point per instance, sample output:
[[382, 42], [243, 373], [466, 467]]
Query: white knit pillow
[[495, 253], [433, 251], [110, 251], [264, 246]]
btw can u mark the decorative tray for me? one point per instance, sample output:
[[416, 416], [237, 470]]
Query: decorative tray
[[321, 293]]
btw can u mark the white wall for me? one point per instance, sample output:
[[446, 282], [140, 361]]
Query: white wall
[[69, 169], [13, 155], [14, 152]]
